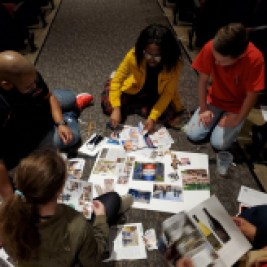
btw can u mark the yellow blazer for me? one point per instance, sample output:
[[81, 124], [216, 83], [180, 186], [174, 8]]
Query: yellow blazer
[[130, 79]]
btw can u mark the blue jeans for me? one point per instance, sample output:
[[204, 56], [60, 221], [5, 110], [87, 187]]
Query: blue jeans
[[67, 101], [221, 137]]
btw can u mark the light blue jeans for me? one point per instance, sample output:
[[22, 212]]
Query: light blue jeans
[[67, 101], [221, 137]]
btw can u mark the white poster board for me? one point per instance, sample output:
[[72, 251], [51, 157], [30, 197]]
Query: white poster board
[[167, 181]]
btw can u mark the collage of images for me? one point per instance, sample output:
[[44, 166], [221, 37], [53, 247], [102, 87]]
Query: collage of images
[[150, 175]]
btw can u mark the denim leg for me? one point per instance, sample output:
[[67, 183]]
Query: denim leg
[[71, 119], [66, 99], [197, 131], [222, 137]]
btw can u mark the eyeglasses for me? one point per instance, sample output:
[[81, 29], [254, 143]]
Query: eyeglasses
[[149, 56]]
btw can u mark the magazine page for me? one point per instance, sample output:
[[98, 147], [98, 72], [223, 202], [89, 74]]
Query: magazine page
[[126, 242], [78, 194], [180, 237], [251, 197], [75, 168], [217, 226]]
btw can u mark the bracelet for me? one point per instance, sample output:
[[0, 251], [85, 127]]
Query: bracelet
[[63, 122]]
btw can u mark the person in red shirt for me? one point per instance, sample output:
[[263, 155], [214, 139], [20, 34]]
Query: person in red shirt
[[234, 68]]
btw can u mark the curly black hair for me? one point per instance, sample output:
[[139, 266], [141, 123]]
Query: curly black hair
[[165, 39]]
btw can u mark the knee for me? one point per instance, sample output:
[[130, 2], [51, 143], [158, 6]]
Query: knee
[[193, 134]]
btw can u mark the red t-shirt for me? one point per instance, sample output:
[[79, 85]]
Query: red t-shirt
[[230, 84]]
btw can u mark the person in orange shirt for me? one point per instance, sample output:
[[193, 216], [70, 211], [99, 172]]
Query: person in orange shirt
[[235, 68]]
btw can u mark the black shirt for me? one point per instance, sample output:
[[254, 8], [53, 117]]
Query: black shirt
[[24, 121]]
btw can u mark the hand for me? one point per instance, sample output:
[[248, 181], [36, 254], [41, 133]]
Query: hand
[[115, 117], [184, 262], [248, 229], [65, 134], [205, 117], [149, 125], [229, 120], [98, 208]]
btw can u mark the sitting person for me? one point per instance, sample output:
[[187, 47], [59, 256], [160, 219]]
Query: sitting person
[[236, 69], [48, 233], [31, 115], [253, 224], [147, 80]]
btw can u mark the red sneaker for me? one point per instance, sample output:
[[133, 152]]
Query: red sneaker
[[83, 100]]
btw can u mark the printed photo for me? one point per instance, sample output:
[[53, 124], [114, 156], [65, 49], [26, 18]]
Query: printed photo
[[109, 185], [75, 168], [148, 171], [105, 167], [103, 153], [140, 196], [78, 195], [123, 180], [173, 176], [195, 179], [184, 161], [129, 236], [168, 192]]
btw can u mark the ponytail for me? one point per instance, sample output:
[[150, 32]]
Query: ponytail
[[39, 178], [18, 227]]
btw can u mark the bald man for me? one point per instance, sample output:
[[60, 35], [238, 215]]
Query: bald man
[[30, 115]]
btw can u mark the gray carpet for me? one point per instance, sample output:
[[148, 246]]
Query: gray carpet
[[87, 41]]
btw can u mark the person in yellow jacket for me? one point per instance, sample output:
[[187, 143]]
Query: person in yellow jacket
[[146, 82]]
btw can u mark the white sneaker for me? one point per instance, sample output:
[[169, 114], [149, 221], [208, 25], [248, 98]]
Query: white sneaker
[[126, 203]]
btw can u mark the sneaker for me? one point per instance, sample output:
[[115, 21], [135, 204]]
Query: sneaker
[[126, 203], [83, 100]]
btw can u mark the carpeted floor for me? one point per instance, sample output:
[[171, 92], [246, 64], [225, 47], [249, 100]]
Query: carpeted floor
[[87, 41]]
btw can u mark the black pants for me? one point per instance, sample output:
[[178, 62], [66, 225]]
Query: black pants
[[112, 203]]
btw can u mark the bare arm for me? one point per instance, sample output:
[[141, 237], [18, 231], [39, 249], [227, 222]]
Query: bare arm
[[63, 130], [203, 80], [205, 115]]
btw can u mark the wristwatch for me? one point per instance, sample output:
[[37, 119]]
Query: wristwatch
[[63, 122]]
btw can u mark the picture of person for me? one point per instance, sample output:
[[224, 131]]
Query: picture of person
[[72, 186], [86, 193], [129, 236], [123, 180], [140, 196], [184, 161], [168, 192], [148, 171], [75, 168], [108, 185]]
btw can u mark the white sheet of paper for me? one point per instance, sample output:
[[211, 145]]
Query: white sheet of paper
[[126, 242], [84, 148], [264, 112], [251, 197]]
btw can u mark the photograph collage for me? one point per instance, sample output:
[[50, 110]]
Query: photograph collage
[[153, 176]]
